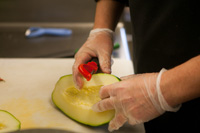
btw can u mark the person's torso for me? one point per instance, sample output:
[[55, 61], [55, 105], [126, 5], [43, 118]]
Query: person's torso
[[166, 33]]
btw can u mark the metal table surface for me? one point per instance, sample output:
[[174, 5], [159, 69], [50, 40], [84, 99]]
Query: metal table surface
[[17, 16], [14, 44]]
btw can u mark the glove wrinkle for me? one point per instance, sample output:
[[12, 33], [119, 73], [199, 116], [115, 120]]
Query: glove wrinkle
[[117, 122], [163, 103], [152, 96]]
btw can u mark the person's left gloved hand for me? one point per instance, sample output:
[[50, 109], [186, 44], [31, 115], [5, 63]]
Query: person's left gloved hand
[[136, 99], [100, 45]]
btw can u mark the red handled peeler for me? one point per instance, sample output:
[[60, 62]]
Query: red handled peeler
[[88, 69]]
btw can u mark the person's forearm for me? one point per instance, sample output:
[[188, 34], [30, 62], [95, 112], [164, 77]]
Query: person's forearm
[[107, 14], [182, 83]]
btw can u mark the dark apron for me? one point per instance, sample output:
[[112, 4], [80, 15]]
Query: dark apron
[[166, 33]]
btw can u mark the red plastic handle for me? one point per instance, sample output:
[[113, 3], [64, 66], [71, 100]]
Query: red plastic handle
[[88, 69]]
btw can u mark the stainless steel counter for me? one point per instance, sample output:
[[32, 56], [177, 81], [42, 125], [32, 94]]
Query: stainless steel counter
[[14, 44], [17, 16]]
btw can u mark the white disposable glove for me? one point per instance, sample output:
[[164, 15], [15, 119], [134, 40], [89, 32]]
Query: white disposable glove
[[136, 99], [99, 44]]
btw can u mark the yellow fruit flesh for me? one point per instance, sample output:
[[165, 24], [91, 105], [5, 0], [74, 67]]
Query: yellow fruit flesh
[[2, 126], [8, 122], [85, 97], [77, 104]]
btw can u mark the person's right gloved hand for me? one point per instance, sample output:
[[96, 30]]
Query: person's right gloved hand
[[99, 44]]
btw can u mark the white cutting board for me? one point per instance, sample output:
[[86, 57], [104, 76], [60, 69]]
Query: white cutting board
[[26, 92]]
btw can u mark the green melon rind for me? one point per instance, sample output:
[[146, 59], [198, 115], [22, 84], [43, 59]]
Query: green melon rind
[[89, 124], [19, 125]]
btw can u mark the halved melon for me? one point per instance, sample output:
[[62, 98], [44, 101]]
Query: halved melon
[[77, 104], [8, 122]]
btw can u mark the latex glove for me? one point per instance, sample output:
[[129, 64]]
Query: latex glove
[[99, 44], [136, 99]]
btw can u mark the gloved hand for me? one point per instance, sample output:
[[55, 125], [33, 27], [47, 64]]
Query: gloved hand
[[136, 99], [99, 44]]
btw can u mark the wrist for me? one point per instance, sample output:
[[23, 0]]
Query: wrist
[[105, 31], [182, 83], [101, 29]]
